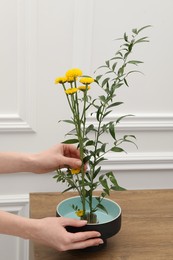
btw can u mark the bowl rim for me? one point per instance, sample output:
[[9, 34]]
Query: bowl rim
[[112, 201]]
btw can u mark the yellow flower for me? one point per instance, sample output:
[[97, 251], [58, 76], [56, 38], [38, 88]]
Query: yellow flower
[[79, 213], [60, 80], [75, 171], [70, 79], [73, 74], [86, 80], [71, 91], [84, 87]]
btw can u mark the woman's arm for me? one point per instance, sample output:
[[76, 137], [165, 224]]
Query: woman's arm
[[48, 231], [59, 156]]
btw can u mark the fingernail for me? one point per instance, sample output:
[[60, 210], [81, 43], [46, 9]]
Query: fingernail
[[84, 221], [100, 243]]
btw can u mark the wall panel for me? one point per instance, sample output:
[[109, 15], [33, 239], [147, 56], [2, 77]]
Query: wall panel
[[19, 248]]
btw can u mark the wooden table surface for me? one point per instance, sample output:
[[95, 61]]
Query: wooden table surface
[[146, 233]]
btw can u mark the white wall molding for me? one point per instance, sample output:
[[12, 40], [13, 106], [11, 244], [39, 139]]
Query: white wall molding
[[24, 119], [15, 203], [138, 161], [19, 205], [14, 123], [140, 122]]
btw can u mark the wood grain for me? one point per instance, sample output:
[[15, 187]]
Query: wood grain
[[146, 233]]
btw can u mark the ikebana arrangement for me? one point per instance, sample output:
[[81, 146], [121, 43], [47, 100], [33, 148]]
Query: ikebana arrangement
[[90, 138]]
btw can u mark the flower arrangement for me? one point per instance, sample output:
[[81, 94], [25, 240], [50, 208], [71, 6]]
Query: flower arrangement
[[89, 138]]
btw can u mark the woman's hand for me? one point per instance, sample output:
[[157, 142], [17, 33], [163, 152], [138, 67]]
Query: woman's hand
[[59, 156], [51, 232]]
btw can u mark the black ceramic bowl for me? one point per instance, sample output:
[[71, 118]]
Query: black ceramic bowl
[[108, 224]]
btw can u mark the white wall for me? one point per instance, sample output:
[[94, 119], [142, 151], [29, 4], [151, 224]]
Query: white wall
[[41, 39]]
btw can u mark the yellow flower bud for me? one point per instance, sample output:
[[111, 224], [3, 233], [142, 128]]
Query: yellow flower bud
[[75, 171], [71, 91], [73, 73], [60, 80], [86, 80], [79, 213], [84, 87]]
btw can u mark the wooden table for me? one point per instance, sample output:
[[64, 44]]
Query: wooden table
[[146, 233]]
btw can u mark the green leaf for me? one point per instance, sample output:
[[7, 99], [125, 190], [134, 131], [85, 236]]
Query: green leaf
[[90, 142], [89, 129], [111, 177], [130, 47], [125, 81], [98, 78], [99, 160], [103, 147], [68, 121], [100, 206], [144, 27], [132, 71], [117, 149], [107, 63], [115, 104], [102, 98], [103, 66], [127, 136], [96, 172], [107, 113], [74, 207], [88, 176], [130, 141], [98, 113], [116, 186], [116, 85], [108, 72], [121, 71], [135, 62], [135, 31], [112, 130], [71, 141], [126, 45], [114, 66], [143, 39], [105, 81], [121, 117], [71, 183], [68, 189], [86, 159], [104, 183], [125, 37]]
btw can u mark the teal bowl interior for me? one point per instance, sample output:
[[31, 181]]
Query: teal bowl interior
[[64, 209]]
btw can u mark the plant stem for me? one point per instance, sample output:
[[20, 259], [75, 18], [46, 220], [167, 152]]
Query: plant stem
[[80, 129], [97, 134]]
